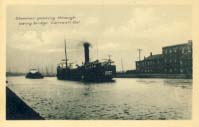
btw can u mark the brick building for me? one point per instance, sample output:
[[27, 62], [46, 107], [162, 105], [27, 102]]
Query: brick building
[[178, 58], [150, 64], [175, 59]]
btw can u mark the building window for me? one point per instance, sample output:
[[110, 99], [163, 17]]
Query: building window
[[175, 50], [181, 62], [182, 50], [170, 51], [170, 70], [165, 51], [189, 49], [170, 61]]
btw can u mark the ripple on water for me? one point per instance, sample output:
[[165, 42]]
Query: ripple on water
[[139, 99]]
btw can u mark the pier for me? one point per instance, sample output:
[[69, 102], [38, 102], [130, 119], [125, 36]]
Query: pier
[[16, 109]]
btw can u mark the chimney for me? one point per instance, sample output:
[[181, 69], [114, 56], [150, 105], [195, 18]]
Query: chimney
[[86, 52], [190, 41], [150, 53]]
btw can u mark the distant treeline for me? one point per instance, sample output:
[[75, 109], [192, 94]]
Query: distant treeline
[[15, 74]]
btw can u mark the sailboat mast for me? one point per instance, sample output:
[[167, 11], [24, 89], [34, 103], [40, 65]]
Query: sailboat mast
[[66, 55]]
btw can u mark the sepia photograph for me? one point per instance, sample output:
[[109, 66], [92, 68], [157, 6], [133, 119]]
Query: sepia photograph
[[99, 62]]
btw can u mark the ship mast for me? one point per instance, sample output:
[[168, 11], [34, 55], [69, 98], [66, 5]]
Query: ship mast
[[66, 54]]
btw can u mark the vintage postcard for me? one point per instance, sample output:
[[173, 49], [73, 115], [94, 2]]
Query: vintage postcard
[[133, 63]]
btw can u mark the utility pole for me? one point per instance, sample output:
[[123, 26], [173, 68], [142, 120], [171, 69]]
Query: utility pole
[[97, 52], [139, 50], [122, 65], [52, 72], [38, 69], [47, 73], [109, 56]]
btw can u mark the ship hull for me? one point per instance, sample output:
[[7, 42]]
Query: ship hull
[[88, 74]]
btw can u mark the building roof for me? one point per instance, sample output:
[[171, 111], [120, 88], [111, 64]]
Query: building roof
[[157, 56], [183, 44]]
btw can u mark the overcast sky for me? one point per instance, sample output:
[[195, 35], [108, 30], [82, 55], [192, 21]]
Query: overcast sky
[[114, 30]]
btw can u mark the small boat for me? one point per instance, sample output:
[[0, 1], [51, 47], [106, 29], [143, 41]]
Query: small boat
[[34, 74]]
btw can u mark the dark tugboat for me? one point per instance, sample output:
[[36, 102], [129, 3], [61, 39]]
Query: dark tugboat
[[95, 71], [34, 74]]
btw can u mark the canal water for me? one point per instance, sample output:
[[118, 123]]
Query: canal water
[[124, 99]]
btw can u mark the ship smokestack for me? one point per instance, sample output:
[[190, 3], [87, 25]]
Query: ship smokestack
[[150, 53], [86, 52]]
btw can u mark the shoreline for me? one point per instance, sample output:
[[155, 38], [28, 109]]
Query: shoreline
[[163, 76]]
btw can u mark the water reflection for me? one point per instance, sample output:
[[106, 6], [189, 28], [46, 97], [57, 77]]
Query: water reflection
[[183, 83]]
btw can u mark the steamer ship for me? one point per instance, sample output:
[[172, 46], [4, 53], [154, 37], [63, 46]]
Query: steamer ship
[[95, 71]]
